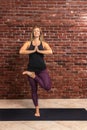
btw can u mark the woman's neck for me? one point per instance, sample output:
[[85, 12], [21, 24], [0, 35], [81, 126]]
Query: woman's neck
[[36, 41]]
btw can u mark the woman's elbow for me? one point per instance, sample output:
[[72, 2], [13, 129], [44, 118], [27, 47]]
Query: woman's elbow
[[51, 52], [20, 52]]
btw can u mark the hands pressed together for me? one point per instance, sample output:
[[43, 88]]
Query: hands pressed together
[[36, 49], [24, 50]]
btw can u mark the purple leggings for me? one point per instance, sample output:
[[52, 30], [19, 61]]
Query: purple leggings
[[43, 80]]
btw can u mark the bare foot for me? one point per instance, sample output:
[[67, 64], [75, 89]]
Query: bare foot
[[37, 112], [31, 74]]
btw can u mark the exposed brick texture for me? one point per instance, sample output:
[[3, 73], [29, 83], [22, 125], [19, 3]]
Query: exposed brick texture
[[64, 24]]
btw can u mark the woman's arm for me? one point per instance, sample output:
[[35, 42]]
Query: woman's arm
[[24, 48], [47, 49]]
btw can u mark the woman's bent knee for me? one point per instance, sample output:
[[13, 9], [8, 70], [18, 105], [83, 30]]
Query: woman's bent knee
[[47, 88]]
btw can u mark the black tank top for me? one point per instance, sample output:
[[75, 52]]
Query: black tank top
[[36, 60]]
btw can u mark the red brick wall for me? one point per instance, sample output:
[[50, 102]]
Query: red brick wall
[[64, 24]]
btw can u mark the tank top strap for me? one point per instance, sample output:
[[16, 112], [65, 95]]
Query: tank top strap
[[31, 46], [31, 43]]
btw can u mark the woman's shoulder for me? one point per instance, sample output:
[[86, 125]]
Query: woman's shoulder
[[44, 43], [27, 43]]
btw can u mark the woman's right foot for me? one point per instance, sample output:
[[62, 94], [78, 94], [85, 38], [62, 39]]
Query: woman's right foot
[[31, 74], [37, 112]]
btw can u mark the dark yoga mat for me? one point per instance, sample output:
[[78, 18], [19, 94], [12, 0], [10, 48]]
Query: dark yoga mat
[[50, 114]]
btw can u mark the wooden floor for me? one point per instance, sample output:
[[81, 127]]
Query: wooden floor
[[44, 125]]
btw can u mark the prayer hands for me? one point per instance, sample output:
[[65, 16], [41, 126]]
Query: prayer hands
[[36, 49]]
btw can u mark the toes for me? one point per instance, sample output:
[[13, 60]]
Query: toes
[[24, 72], [37, 114]]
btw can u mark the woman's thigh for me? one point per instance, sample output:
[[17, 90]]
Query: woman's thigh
[[44, 75]]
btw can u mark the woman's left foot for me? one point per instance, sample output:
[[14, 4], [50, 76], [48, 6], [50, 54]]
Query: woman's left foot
[[31, 74]]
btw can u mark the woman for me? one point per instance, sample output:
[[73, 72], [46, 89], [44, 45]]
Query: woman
[[37, 73]]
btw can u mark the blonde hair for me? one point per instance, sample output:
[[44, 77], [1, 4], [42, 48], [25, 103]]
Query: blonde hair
[[41, 38]]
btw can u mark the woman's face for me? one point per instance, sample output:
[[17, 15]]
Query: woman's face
[[36, 32]]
